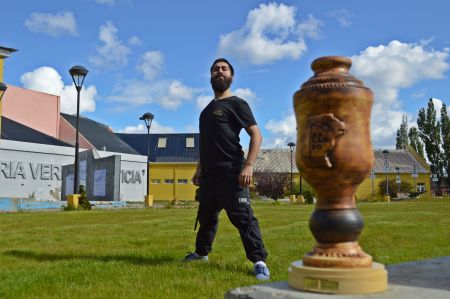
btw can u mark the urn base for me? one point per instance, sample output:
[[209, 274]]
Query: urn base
[[338, 280], [337, 255]]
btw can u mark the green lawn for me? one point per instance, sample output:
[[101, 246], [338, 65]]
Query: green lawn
[[136, 253]]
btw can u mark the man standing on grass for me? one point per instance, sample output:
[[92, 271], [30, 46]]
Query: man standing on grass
[[223, 173]]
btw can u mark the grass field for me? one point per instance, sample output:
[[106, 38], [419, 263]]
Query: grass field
[[136, 253]]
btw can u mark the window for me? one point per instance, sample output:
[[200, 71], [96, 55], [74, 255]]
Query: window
[[190, 142], [168, 181], [182, 181], [155, 181], [420, 187], [162, 142]]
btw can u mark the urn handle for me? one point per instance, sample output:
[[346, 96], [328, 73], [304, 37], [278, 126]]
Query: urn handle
[[320, 138]]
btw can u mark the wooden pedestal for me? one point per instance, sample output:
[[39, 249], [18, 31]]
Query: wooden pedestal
[[338, 280]]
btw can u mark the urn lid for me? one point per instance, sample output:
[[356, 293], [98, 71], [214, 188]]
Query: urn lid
[[332, 72]]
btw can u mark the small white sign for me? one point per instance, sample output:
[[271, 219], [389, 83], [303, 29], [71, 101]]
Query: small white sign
[[69, 184], [100, 182]]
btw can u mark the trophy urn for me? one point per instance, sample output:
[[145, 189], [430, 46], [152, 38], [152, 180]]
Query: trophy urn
[[334, 154]]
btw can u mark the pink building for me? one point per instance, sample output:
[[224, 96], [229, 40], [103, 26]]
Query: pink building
[[40, 111], [33, 109]]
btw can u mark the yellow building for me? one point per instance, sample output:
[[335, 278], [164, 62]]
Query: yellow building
[[173, 161], [170, 181], [400, 164]]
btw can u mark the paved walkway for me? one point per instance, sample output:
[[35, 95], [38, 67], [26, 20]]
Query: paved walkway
[[426, 279]]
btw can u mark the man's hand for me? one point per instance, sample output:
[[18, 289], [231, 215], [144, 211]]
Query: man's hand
[[245, 177], [196, 178]]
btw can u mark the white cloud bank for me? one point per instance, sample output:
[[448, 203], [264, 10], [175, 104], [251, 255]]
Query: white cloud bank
[[113, 53], [167, 93], [270, 33], [52, 24], [155, 128], [388, 68], [107, 2], [385, 69], [47, 79], [244, 93]]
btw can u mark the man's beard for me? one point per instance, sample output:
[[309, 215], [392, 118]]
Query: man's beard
[[220, 84]]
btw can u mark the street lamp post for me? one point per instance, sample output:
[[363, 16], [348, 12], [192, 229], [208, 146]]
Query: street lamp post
[[434, 180], [372, 177], [414, 175], [291, 147], [78, 74], [399, 180], [386, 169], [148, 118], [3, 88]]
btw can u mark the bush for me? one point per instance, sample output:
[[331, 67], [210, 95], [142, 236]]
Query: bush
[[271, 184], [405, 187], [83, 202], [309, 197]]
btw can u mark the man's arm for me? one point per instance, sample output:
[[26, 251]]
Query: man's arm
[[246, 174]]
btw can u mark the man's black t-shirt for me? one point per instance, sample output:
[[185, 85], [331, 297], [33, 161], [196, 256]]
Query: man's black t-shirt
[[220, 124]]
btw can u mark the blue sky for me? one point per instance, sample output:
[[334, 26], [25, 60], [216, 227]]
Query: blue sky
[[154, 56]]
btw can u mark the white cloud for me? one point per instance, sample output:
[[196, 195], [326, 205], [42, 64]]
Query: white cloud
[[113, 53], [155, 128], [169, 94], [246, 94], [52, 24], [107, 2], [47, 79], [151, 64], [270, 33], [342, 16], [134, 41], [388, 68], [285, 130], [310, 27], [203, 101]]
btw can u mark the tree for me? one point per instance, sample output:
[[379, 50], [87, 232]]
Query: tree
[[429, 132], [414, 141], [405, 187], [271, 184], [445, 133], [402, 134]]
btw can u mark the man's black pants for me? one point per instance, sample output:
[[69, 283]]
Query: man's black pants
[[224, 192]]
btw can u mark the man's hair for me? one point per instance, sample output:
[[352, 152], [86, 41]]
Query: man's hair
[[222, 60]]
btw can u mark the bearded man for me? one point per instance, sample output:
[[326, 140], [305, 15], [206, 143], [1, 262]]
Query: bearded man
[[223, 172]]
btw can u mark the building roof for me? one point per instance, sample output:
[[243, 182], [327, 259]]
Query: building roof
[[12, 130], [6, 52], [279, 160], [99, 135], [275, 160], [175, 149]]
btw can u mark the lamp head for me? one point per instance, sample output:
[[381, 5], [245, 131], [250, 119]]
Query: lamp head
[[291, 145], [147, 118], [78, 74]]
